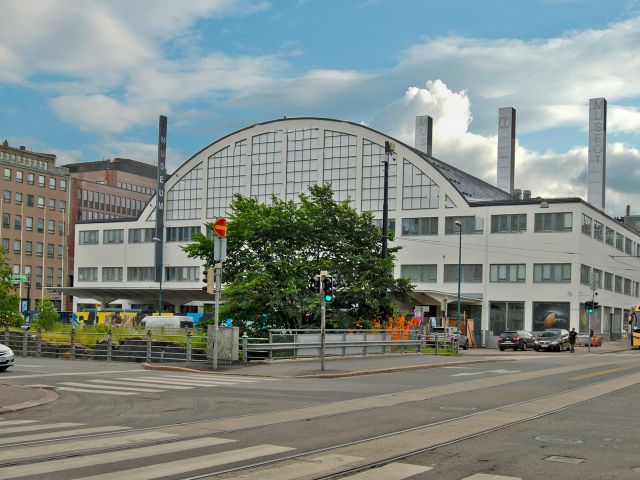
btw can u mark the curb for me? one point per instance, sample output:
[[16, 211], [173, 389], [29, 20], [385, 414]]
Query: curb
[[48, 397]]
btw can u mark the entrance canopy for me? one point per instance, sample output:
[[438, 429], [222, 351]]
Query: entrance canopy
[[426, 297], [172, 296]]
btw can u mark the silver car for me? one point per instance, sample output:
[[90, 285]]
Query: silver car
[[6, 357], [552, 339]]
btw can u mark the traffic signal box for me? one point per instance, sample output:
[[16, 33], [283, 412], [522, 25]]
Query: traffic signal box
[[209, 278], [314, 284], [590, 306], [328, 288]]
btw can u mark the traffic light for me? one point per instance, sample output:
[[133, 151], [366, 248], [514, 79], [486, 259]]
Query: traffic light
[[589, 306], [208, 277], [314, 284], [595, 305], [327, 288]]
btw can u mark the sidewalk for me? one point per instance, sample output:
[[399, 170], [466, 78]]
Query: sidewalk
[[14, 397]]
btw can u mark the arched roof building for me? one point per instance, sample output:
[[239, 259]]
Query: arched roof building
[[524, 262]]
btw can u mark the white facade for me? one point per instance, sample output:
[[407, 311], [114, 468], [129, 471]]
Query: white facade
[[533, 274]]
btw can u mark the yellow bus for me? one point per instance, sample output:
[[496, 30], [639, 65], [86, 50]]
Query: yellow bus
[[634, 327]]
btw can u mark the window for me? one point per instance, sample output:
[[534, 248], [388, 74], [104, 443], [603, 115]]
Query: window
[[38, 277], [598, 231], [513, 223], [39, 249], [6, 196], [7, 174], [628, 246], [51, 226], [18, 198], [40, 225], [597, 278], [619, 242], [28, 226], [40, 202], [63, 185], [585, 274], [608, 281], [420, 226], [587, 223], [507, 273], [28, 247], [469, 225], [391, 224], [19, 176], [49, 276], [30, 200], [141, 235], [50, 250], [41, 180], [506, 316], [52, 183], [113, 236], [419, 273], [627, 286], [553, 222], [52, 204], [63, 205], [17, 246], [60, 228], [111, 274], [88, 274], [140, 274], [471, 273], [5, 243], [608, 239], [30, 178], [88, 237], [373, 178], [182, 274], [181, 234], [552, 273], [618, 284], [17, 221], [6, 220], [60, 251]]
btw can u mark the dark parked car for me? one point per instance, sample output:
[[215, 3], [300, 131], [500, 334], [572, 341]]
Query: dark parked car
[[516, 339], [552, 339]]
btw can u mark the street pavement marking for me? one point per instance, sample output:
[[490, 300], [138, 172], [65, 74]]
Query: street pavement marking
[[69, 374], [130, 389], [600, 373], [159, 470], [499, 372], [173, 381], [487, 476], [62, 464], [93, 443], [5, 423], [221, 378], [42, 426], [136, 383], [57, 434], [87, 390], [390, 471], [300, 468]]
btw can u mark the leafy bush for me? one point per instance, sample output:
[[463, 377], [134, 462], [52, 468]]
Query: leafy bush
[[46, 316]]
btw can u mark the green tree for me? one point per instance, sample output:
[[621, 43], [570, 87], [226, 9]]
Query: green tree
[[46, 315], [274, 249], [10, 315]]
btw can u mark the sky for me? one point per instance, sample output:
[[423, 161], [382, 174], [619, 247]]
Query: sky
[[88, 79]]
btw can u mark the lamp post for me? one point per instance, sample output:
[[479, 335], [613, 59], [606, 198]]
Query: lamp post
[[159, 241], [459, 225], [389, 152]]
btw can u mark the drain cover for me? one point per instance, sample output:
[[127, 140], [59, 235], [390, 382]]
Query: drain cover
[[559, 440]]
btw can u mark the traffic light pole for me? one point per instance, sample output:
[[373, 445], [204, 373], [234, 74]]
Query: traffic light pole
[[323, 318], [216, 316]]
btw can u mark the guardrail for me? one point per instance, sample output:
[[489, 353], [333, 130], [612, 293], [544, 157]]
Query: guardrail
[[143, 347], [307, 343]]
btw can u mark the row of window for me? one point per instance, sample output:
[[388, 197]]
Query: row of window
[[597, 278], [28, 224], [109, 203], [136, 235], [136, 188], [31, 201], [28, 248], [598, 231], [138, 274], [53, 182], [510, 223], [499, 273], [37, 278]]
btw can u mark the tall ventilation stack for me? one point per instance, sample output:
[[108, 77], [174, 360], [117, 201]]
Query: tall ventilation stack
[[506, 148], [424, 133], [597, 160]]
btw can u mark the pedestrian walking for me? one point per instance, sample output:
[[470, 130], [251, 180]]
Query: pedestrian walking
[[572, 339]]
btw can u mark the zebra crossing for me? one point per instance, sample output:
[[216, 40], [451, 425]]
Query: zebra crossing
[[24, 456], [136, 385], [110, 455]]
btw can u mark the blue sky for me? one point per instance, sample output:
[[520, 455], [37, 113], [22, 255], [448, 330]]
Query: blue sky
[[88, 79]]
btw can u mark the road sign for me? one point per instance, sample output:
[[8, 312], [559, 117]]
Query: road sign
[[16, 278], [220, 227]]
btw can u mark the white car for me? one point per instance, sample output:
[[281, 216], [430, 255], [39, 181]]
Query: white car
[[6, 357]]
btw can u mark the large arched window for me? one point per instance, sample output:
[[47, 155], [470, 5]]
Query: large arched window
[[303, 152], [266, 166], [226, 177], [373, 178], [340, 164], [418, 190], [184, 200]]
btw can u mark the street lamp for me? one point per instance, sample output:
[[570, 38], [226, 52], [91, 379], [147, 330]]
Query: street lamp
[[159, 241], [389, 152], [459, 225]]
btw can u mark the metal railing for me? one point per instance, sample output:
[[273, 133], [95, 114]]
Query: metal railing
[[135, 347], [307, 344]]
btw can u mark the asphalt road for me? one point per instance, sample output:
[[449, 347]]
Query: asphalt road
[[526, 416]]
